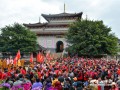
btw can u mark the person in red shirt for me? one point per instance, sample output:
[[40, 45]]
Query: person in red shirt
[[56, 71], [118, 71], [8, 74], [80, 76], [23, 71], [39, 74], [4, 76], [0, 73], [85, 76], [58, 86]]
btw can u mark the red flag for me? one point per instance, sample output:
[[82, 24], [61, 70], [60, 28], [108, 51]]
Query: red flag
[[17, 57], [15, 60], [40, 57], [31, 58]]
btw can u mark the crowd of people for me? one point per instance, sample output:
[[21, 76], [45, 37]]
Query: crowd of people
[[74, 73]]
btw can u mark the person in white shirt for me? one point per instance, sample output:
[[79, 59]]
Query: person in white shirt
[[11, 61], [8, 61]]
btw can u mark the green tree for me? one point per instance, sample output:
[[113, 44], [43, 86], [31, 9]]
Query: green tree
[[91, 38], [17, 37]]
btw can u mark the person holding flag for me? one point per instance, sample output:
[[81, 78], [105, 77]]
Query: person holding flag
[[31, 58], [17, 57], [40, 57], [48, 56]]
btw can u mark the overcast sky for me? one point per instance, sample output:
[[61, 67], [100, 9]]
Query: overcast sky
[[29, 11]]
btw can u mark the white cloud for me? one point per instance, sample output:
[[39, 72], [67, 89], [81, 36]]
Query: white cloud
[[24, 11], [29, 11]]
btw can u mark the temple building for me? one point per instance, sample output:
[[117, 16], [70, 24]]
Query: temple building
[[50, 35]]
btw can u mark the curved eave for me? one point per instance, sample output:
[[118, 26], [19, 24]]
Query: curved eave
[[48, 17], [45, 25], [35, 25]]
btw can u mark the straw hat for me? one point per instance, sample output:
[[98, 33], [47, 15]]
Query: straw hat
[[119, 77], [75, 79], [113, 83]]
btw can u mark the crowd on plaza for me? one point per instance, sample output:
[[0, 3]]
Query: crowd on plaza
[[63, 74]]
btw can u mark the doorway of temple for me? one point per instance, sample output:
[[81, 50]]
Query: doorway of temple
[[59, 46]]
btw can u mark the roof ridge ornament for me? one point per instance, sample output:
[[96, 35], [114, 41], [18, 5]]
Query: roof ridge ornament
[[64, 7]]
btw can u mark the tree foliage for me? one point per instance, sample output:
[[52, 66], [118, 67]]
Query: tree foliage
[[17, 37], [91, 38]]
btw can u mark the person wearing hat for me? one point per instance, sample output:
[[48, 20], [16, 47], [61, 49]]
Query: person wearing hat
[[74, 83], [114, 86]]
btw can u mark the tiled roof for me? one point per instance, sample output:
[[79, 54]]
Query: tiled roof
[[35, 25], [41, 25], [48, 17]]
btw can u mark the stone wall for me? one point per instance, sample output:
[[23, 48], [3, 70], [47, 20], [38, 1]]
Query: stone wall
[[49, 42]]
